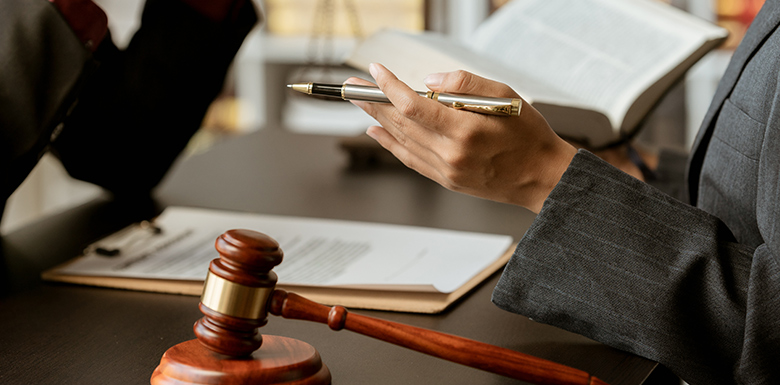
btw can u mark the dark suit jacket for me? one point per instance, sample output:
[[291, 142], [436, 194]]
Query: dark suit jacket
[[696, 288], [115, 118]]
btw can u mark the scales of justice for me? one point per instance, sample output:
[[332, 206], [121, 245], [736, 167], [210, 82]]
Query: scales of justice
[[239, 293]]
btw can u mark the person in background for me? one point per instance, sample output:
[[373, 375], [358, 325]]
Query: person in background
[[693, 285], [116, 118]]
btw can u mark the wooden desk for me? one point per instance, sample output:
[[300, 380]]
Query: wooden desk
[[70, 334]]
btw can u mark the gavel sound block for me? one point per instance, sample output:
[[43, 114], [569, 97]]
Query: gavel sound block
[[239, 293]]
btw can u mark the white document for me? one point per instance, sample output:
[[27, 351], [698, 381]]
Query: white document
[[317, 252]]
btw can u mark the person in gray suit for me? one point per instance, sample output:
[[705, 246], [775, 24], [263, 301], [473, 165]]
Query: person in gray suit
[[694, 286]]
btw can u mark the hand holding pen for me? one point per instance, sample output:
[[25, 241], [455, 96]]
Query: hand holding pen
[[511, 159]]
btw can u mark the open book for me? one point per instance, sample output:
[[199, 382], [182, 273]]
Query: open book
[[593, 68], [354, 264]]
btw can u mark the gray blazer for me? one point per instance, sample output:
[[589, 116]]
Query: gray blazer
[[696, 288]]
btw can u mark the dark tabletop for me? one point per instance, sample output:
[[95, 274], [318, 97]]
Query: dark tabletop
[[64, 334]]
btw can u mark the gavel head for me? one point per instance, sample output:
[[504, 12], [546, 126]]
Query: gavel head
[[236, 292]]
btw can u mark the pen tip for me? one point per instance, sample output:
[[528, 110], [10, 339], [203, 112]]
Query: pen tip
[[301, 87]]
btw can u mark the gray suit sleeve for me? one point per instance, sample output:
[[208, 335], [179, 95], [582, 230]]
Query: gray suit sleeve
[[42, 68], [617, 260]]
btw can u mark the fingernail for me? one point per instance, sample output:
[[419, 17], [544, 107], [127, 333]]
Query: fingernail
[[372, 69], [433, 80], [371, 132]]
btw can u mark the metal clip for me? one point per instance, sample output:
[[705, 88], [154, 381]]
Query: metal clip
[[492, 110], [122, 240]]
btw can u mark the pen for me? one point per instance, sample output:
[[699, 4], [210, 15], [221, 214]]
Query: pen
[[480, 104]]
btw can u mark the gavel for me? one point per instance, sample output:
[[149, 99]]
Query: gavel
[[238, 294]]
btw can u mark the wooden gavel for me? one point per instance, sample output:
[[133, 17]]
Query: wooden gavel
[[238, 294]]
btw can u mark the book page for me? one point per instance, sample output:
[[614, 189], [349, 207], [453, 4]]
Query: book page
[[434, 53], [317, 252], [437, 53], [601, 52]]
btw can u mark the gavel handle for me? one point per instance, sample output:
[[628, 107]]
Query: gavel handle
[[460, 350]]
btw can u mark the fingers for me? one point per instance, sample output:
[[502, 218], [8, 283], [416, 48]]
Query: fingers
[[390, 85], [411, 119], [390, 143], [462, 82], [406, 155], [404, 131], [424, 131], [424, 134], [408, 104]]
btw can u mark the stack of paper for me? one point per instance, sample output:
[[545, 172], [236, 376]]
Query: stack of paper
[[354, 264]]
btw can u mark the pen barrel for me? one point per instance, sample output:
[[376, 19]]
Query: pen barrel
[[480, 104], [364, 93]]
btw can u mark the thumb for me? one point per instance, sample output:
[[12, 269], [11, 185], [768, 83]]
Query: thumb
[[463, 82]]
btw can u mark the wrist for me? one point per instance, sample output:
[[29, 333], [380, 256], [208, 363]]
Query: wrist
[[550, 173], [634, 161]]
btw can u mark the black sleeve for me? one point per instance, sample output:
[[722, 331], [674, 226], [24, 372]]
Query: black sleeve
[[137, 113]]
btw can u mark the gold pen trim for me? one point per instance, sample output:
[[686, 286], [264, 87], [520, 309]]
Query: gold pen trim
[[517, 105], [511, 109], [490, 110]]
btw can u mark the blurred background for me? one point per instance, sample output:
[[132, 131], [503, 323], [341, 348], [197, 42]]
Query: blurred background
[[309, 39]]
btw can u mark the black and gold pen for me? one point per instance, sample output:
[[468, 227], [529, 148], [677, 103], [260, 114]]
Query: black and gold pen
[[479, 104]]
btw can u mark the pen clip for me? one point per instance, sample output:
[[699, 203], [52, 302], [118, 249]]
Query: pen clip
[[505, 109]]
